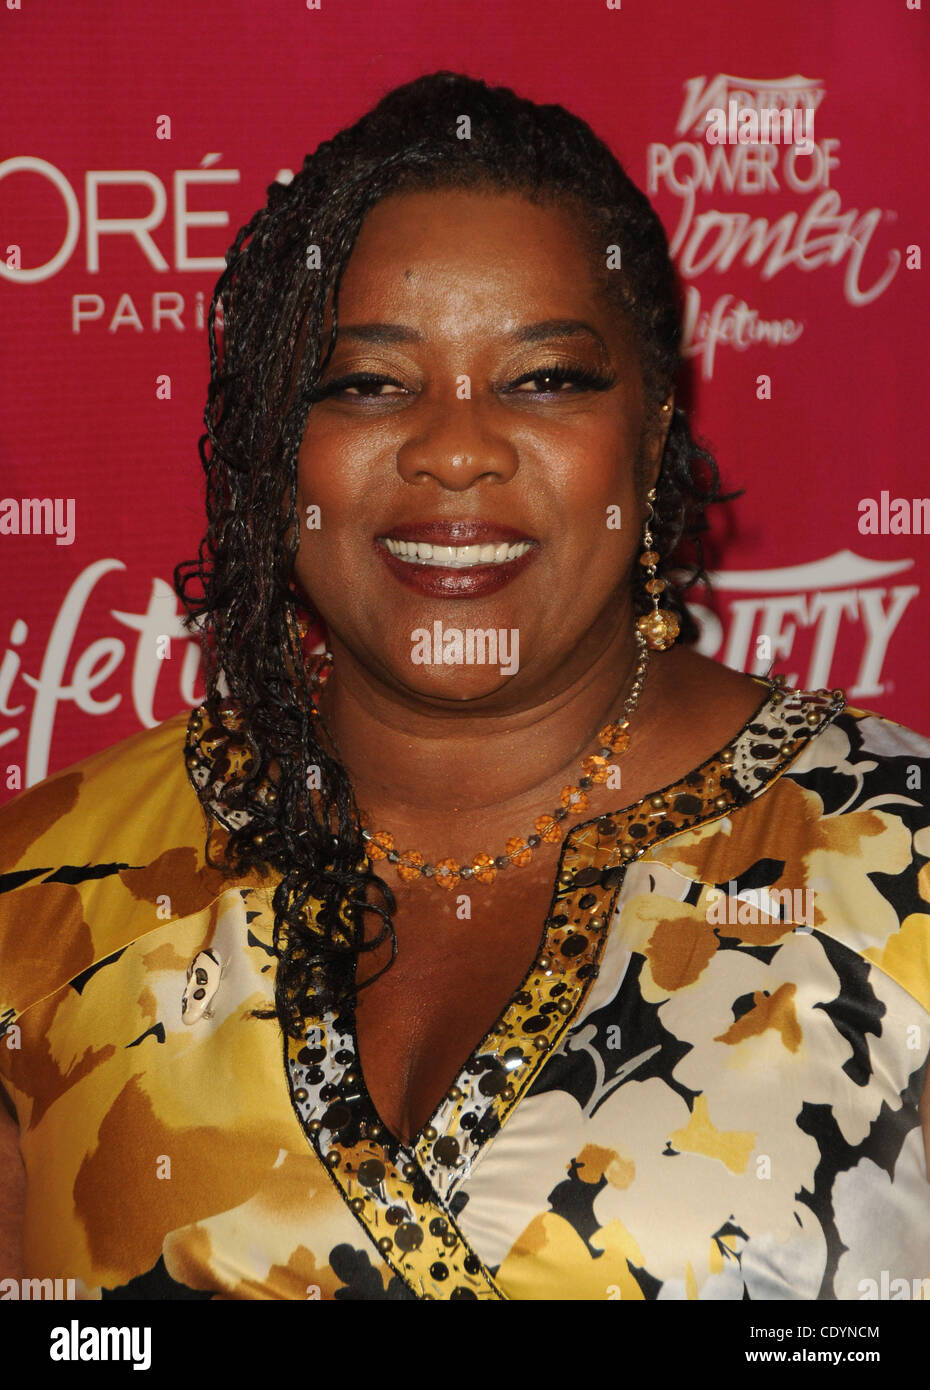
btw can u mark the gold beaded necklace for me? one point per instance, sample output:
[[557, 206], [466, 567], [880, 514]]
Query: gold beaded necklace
[[448, 873]]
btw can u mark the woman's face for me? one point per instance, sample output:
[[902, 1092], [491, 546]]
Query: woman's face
[[485, 400]]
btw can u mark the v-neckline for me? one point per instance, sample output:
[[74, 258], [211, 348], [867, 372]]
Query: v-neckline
[[428, 1131], [436, 1126], [403, 1194]]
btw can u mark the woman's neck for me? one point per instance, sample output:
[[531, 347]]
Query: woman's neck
[[438, 777], [424, 758]]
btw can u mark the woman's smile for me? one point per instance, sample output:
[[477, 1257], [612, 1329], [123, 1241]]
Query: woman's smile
[[455, 559]]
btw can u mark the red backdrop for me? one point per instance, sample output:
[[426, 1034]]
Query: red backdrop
[[803, 269]]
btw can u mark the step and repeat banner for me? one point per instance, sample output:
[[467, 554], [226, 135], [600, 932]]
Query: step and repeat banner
[[137, 139]]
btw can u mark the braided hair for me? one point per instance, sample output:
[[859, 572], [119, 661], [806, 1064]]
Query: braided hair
[[269, 306]]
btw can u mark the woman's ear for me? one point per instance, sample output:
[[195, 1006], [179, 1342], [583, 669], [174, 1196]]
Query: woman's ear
[[666, 416], [655, 438]]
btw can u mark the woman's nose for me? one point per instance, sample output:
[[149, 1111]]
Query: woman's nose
[[456, 443]]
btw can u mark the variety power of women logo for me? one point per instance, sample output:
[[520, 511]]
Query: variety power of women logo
[[724, 147]]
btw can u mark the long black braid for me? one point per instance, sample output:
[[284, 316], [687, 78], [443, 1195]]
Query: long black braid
[[269, 305]]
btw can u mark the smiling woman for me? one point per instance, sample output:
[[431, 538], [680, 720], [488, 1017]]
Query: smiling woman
[[487, 940]]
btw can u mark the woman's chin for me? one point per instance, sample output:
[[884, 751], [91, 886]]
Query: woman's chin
[[452, 684]]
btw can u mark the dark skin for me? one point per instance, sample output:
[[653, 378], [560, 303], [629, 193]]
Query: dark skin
[[455, 760]]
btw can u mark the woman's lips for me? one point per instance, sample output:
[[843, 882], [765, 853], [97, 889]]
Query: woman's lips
[[458, 559], [442, 531]]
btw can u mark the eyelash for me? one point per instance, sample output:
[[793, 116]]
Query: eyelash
[[587, 378]]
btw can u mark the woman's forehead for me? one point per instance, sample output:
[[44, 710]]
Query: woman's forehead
[[452, 253], [468, 219]]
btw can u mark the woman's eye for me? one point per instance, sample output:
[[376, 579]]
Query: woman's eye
[[362, 387], [543, 382], [561, 381], [373, 388]]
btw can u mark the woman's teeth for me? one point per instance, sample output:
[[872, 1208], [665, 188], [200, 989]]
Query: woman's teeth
[[455, 556]]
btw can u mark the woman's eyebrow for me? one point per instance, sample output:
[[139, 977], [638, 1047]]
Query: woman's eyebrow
[[382, 333], [555, 328]]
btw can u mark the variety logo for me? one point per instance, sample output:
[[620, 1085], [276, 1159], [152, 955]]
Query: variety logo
[[798, 612]]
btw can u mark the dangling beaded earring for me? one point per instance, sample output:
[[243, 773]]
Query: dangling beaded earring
[[319, 669], [297, 624], [317, 664], [661, 626]]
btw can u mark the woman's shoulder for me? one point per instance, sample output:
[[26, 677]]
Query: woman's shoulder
[[830, 810], [866, 755], [116, 804], [850, 826], [97, 856]]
